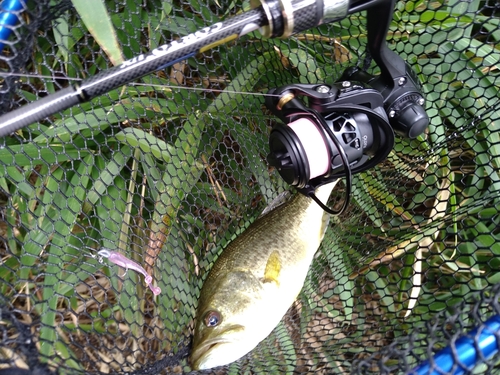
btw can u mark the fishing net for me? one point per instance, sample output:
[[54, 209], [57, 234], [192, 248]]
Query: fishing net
[[168, 169]]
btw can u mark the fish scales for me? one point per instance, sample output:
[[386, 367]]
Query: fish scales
[[256, 279]]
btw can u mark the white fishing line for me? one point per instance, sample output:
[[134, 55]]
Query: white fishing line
[[169, 87]]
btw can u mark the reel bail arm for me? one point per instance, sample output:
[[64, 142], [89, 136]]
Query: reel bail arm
[[397, 82]]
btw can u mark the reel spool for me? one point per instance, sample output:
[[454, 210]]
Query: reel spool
[[343, 130]]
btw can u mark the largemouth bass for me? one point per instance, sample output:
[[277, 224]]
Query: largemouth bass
[[256, 279]]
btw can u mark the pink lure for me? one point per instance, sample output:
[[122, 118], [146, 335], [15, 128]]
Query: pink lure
[[122, 261]]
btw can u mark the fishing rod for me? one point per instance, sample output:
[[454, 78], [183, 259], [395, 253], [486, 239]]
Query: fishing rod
[[274, 18]]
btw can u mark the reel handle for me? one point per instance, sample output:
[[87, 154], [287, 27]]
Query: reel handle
[[398, 84]]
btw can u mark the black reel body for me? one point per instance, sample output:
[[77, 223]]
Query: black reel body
[[403, 101], [347, 127], [343, 129]]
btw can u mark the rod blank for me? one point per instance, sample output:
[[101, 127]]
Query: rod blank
[[132, 69]]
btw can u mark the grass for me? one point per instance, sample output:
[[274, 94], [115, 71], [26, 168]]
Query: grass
[[169, 169]]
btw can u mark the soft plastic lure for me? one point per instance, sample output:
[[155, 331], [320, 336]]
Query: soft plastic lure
[[122, 261]]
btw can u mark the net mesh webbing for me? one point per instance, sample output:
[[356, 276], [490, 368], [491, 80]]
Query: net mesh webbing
[[170, 168]]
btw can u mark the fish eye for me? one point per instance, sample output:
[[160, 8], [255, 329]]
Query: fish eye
[[212, 318]]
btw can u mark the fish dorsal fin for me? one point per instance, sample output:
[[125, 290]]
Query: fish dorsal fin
[[273, 268], [276, 202]]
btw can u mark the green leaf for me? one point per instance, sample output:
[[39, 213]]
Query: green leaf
[[61, 35], [305, 64], [148, 143], [95, 16], [108, 173], [288, 348], [235, 93], [31, 154]]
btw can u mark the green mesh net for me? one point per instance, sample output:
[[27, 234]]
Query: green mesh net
[[170, 168]]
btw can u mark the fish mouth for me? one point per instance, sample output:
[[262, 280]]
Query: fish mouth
[[198, 354], [202, 351]]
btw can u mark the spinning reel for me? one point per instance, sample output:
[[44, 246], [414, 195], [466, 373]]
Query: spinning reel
[[347, 127]]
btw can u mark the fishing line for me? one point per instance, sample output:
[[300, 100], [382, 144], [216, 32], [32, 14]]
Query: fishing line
[[139, 66], [159, 86], [253, 93], [30, 75]]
